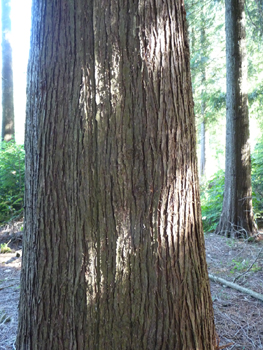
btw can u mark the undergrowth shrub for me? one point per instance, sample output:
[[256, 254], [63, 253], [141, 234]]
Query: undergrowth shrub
[[212, 200], [257, 179], [12, 179]]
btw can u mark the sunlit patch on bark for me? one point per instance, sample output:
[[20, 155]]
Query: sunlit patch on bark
[[245, 154]]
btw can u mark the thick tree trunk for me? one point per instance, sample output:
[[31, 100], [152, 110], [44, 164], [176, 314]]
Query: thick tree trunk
[[112, 188], [146, 243], [8, 116], [237, 217]]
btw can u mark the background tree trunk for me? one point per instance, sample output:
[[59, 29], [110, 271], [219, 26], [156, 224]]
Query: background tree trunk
[[202, 151], [203, 102], [8, 116], [112, 185], [237, 217]]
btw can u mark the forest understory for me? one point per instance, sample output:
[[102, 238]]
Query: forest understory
[[238, 316]]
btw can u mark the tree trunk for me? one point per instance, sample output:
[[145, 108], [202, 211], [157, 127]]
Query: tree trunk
[[237, 218], [52, 312], [8, 116], [202, 151], [111, 183], [203, 102]]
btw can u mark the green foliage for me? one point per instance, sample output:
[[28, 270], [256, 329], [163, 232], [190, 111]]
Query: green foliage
[[212, 200], [207, 48], [12, 177], [231, 243], [257, 179], [239, 265], [243, 265], [256, 95], [254, 33], [254, 15], [4, 248]]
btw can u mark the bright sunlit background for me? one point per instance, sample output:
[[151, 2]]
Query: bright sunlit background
[[20, 37]]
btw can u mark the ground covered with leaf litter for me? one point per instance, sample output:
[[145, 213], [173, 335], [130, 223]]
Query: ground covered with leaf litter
[[238, 316], [10, 266]]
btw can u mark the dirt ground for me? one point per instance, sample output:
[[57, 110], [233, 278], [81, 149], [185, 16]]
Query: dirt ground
[[238, 316], [10, 265]]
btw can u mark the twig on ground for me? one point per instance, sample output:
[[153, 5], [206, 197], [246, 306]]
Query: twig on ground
[[241, 328], [11, 285], [250, 267], [222, 346]]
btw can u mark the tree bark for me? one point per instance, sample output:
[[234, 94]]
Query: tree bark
[[8, 116], [114, 252], [53, 306], [237, 218], [202, 151], [203, 102]]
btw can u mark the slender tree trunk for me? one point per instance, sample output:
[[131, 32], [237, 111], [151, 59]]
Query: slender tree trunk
[[202, 151], [111, 183], [237, 218], [203, 102], [8, 116]]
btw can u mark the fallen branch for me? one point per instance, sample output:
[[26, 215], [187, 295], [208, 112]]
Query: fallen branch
[[236, 286], [7, 286]]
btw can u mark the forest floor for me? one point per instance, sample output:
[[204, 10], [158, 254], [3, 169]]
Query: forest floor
[[10, 266], [238, 316]]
